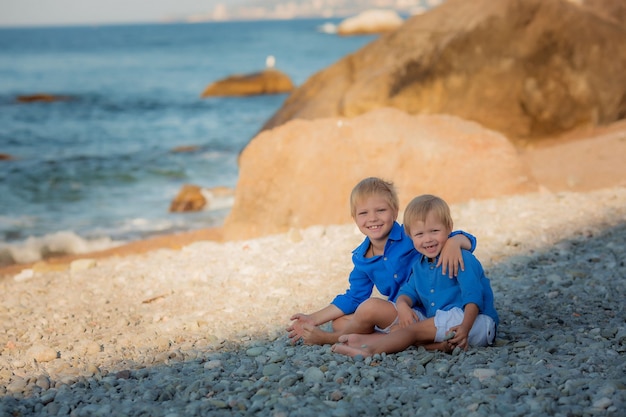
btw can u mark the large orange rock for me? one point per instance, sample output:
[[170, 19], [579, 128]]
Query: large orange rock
[[268, 81], [526, 68], [614, 10], [301, 174]]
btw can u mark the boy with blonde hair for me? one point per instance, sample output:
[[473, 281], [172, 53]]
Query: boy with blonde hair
[[432, 310], [383, 261]]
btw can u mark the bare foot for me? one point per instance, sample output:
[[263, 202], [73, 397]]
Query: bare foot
[[445, 347], [357, 339], [348, 350], [313, 335], [356, 344]]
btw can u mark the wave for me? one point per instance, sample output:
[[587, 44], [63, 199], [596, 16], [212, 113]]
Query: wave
[[69, 242], [35, 249]]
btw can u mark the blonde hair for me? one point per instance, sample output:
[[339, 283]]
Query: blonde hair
[[373, 186], [420, 206]]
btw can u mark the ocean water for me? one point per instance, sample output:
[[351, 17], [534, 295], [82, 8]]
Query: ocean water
[[99, 168]]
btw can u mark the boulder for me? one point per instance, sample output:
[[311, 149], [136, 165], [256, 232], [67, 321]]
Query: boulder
[[268, 81], [185, 149], [189, 198], [195, 198], [614, 10], [525, 68], [370, 22], [40, 97], [301, 174]]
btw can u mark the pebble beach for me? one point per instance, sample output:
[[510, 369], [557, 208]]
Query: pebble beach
[[199, 331]]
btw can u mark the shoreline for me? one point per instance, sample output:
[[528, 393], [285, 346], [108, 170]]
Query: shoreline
[[589, 159], [174, 241]]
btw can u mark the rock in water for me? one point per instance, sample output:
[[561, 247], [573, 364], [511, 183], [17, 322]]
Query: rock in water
[[269, 81], [189, 198], [40, 97]]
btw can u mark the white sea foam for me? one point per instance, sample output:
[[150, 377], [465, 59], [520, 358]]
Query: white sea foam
[[35, 249], [328, 27]]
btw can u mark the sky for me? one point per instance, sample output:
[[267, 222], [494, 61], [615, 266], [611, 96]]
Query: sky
[[77, 12]]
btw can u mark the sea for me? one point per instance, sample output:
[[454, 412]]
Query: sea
[[100, 167]]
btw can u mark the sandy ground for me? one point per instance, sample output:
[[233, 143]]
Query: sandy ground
[[180, 297], [579, 161]]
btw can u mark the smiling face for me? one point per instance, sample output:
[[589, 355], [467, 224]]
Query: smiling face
[[429, 235], [375, 217], [427, 221]]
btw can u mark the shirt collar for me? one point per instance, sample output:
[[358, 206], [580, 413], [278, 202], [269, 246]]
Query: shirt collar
[[397, 232], [424, 259]]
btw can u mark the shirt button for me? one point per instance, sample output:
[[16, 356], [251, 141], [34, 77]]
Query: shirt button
[[385, 258], [432, 290], [395, 275], [432, 304]]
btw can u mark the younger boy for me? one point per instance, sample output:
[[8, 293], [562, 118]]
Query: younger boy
[[382, 260], [432, 310]]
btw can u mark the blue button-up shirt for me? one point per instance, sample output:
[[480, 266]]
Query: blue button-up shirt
[[432, 291], [388, 272]]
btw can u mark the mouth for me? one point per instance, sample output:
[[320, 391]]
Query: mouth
[[374, 227], [430, 248]]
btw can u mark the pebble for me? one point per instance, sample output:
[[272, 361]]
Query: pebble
[[41, 353], [558, 273]]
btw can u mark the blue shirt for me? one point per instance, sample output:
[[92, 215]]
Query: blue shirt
[[388, 272], [431, 291]]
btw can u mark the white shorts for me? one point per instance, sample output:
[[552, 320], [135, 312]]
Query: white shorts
[[483, 331]]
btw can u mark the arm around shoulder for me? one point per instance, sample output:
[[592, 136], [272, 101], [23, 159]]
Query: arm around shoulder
[[451, 258], [466, 240]]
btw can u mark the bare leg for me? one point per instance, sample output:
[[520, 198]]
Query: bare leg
[[372, 312], [420, 333], [339, 324]]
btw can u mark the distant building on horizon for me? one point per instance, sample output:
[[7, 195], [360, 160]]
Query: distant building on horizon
[[293, 9]]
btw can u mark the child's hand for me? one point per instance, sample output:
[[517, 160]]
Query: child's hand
[[406, 316], [296, 329], [451, 258], [300, 318], [460, 338]]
